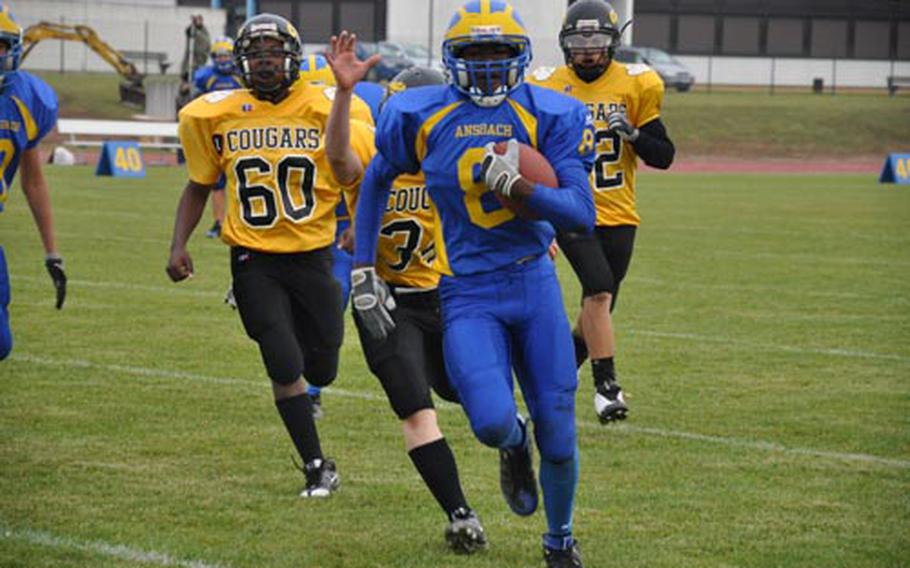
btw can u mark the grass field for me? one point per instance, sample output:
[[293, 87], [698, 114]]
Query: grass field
[[763, 342], [754, 125]]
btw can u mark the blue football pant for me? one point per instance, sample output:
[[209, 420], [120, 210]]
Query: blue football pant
[[343, 261], [6, 335], [514, 319]]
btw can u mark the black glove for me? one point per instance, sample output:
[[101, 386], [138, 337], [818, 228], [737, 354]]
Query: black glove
[[54, 264], [373, 302], [618, 123]]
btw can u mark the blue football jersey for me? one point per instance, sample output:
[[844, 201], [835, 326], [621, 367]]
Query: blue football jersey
[[208, 79], [441, 132], [28, 111]]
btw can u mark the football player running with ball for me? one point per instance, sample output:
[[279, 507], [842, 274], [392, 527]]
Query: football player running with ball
[[408, 361], [501, 303], [279, 222], [624, 101]]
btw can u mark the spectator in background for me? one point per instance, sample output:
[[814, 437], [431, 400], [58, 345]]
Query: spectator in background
[[195, 56], [198, 44]]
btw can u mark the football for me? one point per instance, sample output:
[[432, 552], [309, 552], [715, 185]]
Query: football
[[533, 167]]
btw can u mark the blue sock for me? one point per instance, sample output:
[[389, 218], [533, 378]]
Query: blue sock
[[313, 390], [517, 436], [558, 482]]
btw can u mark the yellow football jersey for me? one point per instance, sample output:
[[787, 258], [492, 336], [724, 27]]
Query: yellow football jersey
[[281, 194], [634, 88], [406, 248]]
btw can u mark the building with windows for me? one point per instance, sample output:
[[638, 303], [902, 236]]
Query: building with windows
[[844, 29]]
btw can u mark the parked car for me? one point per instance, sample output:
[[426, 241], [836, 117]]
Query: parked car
[[393, 59], [673, 73]]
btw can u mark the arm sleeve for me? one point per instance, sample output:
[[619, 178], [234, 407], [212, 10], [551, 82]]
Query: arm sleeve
[[374, 194], [201, 160], [654, 146], [569, 147]]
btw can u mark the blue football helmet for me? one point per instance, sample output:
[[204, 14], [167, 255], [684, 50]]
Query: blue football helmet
[[222, 53], [486, 23], [315, 69], [11, 35]]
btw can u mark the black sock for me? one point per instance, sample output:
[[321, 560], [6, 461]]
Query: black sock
[[603, 370], [297, 414], [581, 350], [436, 465]]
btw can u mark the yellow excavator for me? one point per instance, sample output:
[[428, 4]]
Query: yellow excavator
[[131, 89]]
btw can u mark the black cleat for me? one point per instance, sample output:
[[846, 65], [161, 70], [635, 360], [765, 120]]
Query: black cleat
[[516, 477], [215, 231], [609, 403], [321, 478], [563, 557], [465, 534], [316, 400]]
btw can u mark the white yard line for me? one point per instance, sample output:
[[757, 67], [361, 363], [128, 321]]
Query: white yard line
[[102, 548], [182, 288], [622, 428]]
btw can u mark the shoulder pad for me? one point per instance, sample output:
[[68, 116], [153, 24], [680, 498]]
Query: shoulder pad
[[634, 69], [543, 73], [217, 96]]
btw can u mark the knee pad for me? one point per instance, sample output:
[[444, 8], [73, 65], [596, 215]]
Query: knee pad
[[554, 428], [493, 430], [320, 366], [281, 356], [557, 448]]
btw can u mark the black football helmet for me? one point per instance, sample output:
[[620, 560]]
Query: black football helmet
[[247, 47], [590, 27], [412, 77]]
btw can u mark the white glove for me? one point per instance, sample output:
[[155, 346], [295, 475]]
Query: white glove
[[500, 171], [373, 302], [618, 123]]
